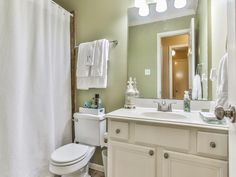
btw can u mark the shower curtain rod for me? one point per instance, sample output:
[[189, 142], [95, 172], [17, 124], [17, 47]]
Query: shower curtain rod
[[72, 15]]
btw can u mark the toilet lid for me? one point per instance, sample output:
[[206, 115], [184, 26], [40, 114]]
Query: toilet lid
[[69, 153]]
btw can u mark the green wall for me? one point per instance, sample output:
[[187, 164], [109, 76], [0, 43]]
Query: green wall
[[103, 19], [142, 51]]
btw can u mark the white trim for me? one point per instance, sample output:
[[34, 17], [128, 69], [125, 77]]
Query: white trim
[[159, 55], [170, 67], [96, 167]]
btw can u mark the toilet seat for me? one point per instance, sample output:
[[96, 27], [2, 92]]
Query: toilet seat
[[63, 168], [69, 154]]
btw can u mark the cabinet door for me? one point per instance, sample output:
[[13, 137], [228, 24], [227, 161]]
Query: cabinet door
[[183, 165], [126, 160]]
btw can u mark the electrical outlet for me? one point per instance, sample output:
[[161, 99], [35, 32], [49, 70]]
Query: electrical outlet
[[147, 72]]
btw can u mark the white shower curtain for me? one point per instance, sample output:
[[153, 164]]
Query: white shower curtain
[[35, 102]]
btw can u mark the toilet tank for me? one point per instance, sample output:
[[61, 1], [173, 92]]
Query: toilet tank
[[89, 129]]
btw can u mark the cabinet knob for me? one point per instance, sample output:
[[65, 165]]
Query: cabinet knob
[[117, 131], [151, 152], [166, 155], [213, 144]]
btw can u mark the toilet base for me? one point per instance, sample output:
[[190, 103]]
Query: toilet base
[[83, 172]]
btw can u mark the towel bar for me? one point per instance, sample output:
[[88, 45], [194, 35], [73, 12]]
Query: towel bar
[[113, 42]]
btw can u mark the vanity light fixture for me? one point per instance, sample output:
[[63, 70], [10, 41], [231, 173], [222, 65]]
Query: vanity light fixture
[[144, 10], [139, 3], [180, 3], [161, 6]]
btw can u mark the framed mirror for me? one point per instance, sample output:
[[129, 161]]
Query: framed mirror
[[175, 50]]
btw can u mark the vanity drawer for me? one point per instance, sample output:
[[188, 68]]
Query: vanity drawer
[[163, 136], [212, 144], [119, 130]]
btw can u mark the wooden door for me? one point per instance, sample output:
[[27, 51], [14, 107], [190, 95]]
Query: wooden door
[[183, 165], [180, 78], [126, 160]]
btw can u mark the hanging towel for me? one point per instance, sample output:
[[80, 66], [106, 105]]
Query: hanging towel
[[85, 58], [94, 75], [222, 83], [100, 58], [197, 88]]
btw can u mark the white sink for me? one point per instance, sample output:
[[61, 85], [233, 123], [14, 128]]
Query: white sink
[[164, 115]]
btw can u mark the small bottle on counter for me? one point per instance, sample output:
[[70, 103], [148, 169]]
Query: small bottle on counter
[[96, 101], [186, 101]]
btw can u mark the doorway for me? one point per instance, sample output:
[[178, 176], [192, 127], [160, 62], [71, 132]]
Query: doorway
[[174, 66], [179, 77]]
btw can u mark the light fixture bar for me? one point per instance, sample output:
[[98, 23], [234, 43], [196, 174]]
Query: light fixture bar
[[161, 6]]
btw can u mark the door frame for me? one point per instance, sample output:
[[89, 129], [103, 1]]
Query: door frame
[[171, 68], [159, 55], [231, 80]]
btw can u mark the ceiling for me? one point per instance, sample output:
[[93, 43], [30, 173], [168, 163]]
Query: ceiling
[[154, 16]]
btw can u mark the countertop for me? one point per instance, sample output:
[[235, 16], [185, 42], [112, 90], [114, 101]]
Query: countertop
[[192, 119]]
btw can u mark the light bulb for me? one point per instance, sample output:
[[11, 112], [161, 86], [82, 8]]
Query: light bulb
[[173, 52], [144, 10], [139, 3], [161, 6], [180, 3]]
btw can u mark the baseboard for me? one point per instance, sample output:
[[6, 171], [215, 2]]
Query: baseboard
[[96, 167]]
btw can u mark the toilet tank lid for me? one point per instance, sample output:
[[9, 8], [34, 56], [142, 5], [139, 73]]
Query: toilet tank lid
[[78, 115]]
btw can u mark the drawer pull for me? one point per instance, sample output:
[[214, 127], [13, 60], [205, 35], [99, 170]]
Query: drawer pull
[[117, 131], [166, 155], [213, 144], [151, 152]]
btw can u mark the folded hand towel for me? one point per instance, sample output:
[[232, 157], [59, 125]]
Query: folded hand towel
[[85, 58], [100, 58]]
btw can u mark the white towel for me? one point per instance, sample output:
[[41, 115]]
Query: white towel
[[100, 58], [197, 88], [222, 83], [85, 58], [97, 75]]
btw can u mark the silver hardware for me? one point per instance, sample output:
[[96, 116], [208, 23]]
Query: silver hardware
[[220, 113], [213, 144], [164, 106], [151, 152], [117, 131], [166, 155]]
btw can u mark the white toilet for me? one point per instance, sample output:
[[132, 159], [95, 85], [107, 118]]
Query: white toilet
[[72, 160]]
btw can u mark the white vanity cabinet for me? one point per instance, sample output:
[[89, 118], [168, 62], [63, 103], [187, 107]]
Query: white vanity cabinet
[[129, 160], [184, 165], [150, 149]]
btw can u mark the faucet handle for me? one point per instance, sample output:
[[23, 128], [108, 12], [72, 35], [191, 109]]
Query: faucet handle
[[171, 104], [158, 104], [163, 102]]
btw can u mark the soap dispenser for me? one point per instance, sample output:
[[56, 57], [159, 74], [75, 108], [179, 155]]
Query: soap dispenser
[[186, 101], [129, 95]]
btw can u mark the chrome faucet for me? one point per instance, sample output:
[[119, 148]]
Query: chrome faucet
[[164, 106]]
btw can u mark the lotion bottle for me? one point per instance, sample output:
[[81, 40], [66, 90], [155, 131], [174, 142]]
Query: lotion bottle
[[186, 101]]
